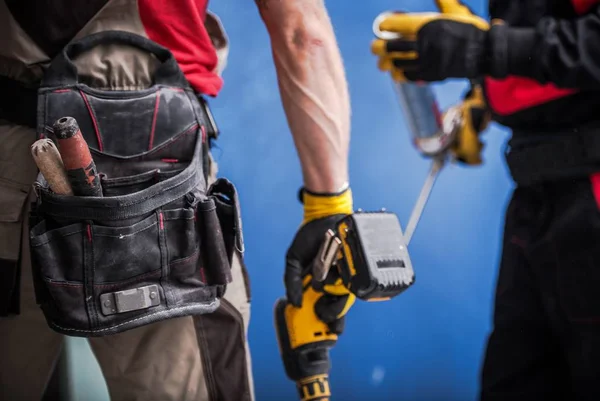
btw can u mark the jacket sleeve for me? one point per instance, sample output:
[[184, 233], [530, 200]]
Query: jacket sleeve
[[563, 52]]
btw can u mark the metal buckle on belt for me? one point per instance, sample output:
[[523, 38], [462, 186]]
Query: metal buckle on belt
[[213, 130], [113, 303]]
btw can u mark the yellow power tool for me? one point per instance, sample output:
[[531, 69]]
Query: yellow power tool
[[367, 251]]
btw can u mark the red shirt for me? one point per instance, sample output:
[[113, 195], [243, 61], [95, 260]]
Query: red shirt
[[179, 26]]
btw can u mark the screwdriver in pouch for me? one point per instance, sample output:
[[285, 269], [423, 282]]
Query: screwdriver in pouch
[[76, 156]]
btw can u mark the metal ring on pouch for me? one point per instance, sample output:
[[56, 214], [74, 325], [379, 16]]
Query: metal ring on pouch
[[381, 34]]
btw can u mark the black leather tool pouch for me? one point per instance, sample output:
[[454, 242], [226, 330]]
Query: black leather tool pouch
[[155, 246]]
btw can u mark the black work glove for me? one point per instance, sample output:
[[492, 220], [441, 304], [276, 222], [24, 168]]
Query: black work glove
[[321, 213], [433, 46]]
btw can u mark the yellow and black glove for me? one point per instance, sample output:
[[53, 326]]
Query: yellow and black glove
[[475, 118], [321, 213], [310, 318], [434, 46]]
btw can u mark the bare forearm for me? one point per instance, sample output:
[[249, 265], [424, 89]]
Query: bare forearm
[[313, 88]]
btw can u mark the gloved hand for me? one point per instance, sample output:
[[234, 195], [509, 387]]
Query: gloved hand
[[321, 212], [434, 46], [475, 117]]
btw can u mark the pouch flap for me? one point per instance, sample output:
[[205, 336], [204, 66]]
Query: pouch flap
[[127, 124], [226, 198]]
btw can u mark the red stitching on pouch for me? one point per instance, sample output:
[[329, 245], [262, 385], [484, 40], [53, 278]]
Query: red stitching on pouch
[[170, 160], [161, 220], [93, 117], [595, 181], [583, 6], [62, 90], [154, 120], [203, 133], [179, 136], [89, 232], [192, 257]]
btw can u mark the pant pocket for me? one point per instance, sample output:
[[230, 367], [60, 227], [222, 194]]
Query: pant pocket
[[12, 204]]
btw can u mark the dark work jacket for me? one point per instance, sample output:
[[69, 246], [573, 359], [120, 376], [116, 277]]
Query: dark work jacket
[[557, 87]]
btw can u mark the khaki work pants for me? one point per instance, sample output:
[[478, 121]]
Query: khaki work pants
[[204, 358]]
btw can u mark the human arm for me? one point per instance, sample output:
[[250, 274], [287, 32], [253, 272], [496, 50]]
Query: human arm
[[315, 98], [559, 51], [313, 88], [458, 44]]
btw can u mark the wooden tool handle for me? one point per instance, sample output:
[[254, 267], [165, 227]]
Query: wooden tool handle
[[47, 158]]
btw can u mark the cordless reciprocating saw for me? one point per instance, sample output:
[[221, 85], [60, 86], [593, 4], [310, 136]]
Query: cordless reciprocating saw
[[368, 252]]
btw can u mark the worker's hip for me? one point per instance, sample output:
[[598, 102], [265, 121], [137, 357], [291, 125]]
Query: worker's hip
[[125, 229], [539, 157]]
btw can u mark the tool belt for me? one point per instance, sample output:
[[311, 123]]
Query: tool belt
[[534, 158], [159, 243]]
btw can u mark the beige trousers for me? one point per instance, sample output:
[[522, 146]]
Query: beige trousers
[[204, 358]]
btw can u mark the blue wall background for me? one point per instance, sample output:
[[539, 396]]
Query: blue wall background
[[428, 343]]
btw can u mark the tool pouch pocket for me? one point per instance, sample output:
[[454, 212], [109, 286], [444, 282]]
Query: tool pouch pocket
[[156, 245]]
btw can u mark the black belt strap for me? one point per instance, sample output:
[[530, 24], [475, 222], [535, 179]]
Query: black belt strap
[[537, 158], [18, 102]]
